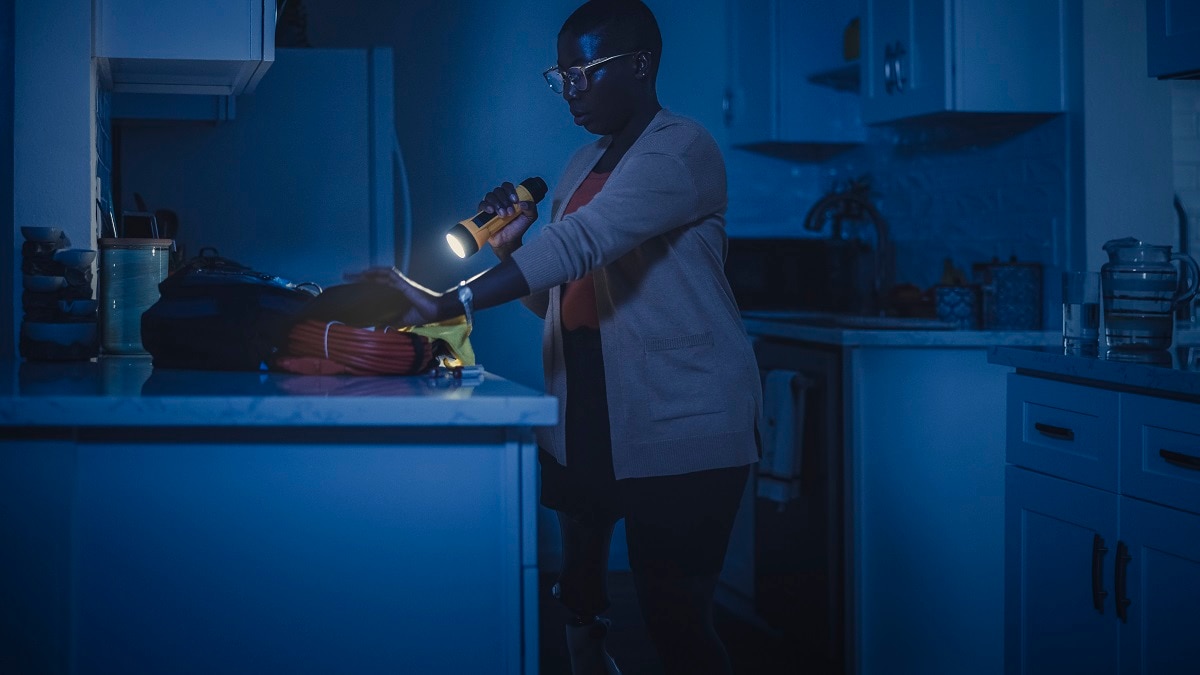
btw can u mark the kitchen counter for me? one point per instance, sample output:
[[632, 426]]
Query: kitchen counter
[[1174, 373], [824, 329], [186, 521], [128, 392]]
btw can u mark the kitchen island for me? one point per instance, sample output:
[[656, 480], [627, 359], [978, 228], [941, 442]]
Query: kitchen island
[[202, 522], [904, 431]]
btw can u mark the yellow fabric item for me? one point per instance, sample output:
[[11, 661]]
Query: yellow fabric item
[[455, 333]]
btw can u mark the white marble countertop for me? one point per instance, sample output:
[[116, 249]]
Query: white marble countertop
[[129, 392], [842, 331]]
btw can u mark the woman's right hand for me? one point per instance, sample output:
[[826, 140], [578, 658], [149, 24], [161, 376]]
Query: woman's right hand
[[503, 201], [425, 306]]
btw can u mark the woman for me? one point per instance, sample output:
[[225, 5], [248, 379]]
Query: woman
[[643, 345]]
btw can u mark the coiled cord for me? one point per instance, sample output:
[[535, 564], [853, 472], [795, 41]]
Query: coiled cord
[[361, 351]]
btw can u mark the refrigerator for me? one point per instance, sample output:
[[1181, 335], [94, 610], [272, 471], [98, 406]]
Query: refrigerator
[[299, 179]]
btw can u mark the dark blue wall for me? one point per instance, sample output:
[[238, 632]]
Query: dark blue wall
[[6, 176]]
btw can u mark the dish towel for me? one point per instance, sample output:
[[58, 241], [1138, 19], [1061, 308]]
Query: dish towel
[[779, 471]]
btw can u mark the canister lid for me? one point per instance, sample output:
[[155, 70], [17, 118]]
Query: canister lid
[[134, 242]]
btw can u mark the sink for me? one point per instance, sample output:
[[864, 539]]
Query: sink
[[848, 321]]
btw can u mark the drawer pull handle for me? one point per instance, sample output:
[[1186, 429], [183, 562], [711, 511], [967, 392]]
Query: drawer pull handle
[[1098, 592], [1121, 578], [1057, 433], [1180, 460]]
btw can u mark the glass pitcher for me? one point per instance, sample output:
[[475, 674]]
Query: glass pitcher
[[1140, 288]]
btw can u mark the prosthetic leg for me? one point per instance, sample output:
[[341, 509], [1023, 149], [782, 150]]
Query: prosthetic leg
[[581, 589]]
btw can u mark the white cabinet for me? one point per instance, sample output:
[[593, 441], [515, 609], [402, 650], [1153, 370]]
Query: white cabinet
[[220, 47], [1102, 558], [924, 57], [1172, 38], [281, 550], [775, 45], [925, 489]]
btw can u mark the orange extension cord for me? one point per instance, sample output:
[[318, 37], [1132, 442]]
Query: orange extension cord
[[316, 347]]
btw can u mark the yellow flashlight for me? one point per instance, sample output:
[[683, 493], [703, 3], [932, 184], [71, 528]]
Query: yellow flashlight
[[468, 236]]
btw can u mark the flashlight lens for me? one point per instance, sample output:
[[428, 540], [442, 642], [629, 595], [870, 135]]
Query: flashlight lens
[[456, 245]]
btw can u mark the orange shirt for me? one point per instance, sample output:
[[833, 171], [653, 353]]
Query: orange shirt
[[579, 297]]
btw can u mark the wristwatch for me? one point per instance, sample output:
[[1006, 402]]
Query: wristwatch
[[465, 296]]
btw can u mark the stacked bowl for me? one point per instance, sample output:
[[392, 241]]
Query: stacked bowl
[[59, 321]]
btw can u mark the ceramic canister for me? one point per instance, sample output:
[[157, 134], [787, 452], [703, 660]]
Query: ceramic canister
[[130, 271], [958, 305], [1012, 297]]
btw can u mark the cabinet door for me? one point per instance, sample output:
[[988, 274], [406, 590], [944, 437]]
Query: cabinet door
[[171, 29], [327, 555], [926, 456], [1172, 36], [1007, 56], [775, 45], [905, 58], [1162, 585], [1059, 594], [970, 56], [217, 47]]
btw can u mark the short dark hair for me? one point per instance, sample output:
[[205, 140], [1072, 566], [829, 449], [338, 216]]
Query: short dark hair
[[623, 25]]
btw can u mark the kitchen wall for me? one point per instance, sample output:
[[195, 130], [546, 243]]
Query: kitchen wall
[[1125, 168], [53, 94], [1185, 131], [7, 243]]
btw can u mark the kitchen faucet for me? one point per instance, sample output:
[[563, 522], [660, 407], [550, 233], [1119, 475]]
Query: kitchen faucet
[[854, 204]]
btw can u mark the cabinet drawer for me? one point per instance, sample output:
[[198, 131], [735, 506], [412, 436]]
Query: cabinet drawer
[[1160, 451], [1062, 429]]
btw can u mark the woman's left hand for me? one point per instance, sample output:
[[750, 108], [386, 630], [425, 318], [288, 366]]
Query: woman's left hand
[[425, 305]]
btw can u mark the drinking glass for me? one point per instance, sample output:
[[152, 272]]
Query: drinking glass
[[1081, 312]]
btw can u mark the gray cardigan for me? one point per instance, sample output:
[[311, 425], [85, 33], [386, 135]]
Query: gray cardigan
[[683, 385]]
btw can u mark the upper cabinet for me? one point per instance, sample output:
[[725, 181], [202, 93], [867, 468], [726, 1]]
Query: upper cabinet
[[1173, 38], [219, 47], [770, 104], [924, 57]]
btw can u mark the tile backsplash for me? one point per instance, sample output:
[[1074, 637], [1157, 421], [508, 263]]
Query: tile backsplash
[[969, 191]]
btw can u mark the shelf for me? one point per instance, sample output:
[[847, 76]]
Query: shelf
[[843, 78]]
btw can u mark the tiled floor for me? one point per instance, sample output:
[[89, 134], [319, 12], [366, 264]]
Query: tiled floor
[[753, 651]]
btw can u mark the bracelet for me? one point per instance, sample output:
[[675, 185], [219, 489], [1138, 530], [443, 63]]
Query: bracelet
[[465, 296]]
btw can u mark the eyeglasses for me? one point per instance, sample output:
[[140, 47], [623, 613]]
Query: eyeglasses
[[576, 76]]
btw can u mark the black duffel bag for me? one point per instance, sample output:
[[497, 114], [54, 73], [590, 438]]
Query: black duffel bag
[[217, 314]]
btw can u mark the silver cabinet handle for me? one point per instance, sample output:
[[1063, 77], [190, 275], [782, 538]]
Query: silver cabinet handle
[[897, 54], [889, 55], [727, 107]]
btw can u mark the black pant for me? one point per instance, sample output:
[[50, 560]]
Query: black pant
[[677, 527]]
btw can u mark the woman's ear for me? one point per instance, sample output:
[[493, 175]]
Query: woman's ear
[[643, 64]]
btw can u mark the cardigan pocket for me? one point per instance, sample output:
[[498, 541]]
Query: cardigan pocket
[[680, 376]]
